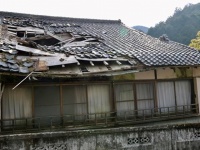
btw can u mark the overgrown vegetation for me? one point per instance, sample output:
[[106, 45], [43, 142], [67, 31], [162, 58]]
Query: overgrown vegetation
[[182, 26], [195, 43]]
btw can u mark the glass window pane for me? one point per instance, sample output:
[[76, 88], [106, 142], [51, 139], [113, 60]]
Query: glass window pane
[[47, 101], [74, 99], [166, 95], [99, 99], [183, 95]]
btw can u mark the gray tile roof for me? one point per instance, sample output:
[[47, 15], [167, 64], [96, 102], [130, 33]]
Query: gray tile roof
[[99, 42]]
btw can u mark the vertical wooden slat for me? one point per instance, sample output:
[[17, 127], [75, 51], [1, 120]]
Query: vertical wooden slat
[[61, 101], [33, 101], [135, 98], [175, 97], [86, 87], [155, 91], [155, 96], [114, 102], [112, 96]]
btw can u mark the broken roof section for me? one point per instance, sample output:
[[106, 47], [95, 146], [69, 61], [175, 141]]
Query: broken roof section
[[82, 47]]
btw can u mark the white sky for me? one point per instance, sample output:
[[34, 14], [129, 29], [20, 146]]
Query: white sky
[[131, 12]]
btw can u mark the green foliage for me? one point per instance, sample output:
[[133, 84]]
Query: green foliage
[[181, 27], [195, 43]]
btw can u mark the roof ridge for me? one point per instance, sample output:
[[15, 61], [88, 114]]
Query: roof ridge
[[60, 18]]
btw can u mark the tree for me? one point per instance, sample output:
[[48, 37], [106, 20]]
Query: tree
[[181, 27], [195, 43]]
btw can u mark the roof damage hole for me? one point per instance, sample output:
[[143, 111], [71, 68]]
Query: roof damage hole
[[48, 41], [79, 39], [20, 34]]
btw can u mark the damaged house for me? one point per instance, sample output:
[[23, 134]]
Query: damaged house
[[66, 73]]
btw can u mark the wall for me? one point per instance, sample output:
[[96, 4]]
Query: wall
[[162, 73], [179, 137]]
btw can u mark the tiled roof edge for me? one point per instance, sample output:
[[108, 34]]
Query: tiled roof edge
[[144, 34], [55, 18]]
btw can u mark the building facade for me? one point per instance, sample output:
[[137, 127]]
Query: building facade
[[70, 74]]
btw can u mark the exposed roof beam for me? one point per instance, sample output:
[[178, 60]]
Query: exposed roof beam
[[119, 63], [105, 63], [91, 63]]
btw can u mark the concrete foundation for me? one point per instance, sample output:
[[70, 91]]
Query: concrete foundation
[[179, 137]]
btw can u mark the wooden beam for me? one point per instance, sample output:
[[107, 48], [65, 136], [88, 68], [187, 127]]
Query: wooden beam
[[33, 50], [91, 63], [105, 63], [119, 63], [78, 63]]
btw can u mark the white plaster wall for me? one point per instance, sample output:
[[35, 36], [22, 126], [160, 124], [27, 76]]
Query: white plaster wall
[[147, 75], [166, 73], [196, 72]]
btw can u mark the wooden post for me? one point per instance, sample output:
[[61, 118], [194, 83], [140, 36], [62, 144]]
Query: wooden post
[[1, 93]]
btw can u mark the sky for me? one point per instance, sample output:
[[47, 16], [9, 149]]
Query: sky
[[131, 12]]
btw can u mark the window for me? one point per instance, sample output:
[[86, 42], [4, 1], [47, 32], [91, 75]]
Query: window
[[93, 103], [74, 100], [145, 98], [124, 95], [183, 95], [174, 96], [135, 98], [17, 104], [99, 100], [47, 101], [166, 96]]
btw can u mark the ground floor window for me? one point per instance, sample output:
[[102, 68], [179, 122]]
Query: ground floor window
[[85, 102], [125, 100], [145, 98], [16, 104], [46, 101], [174, 96], [99, 100], [134, 99], [74, 100]]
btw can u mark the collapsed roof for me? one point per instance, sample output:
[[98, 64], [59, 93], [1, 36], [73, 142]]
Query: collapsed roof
[[83, 47]]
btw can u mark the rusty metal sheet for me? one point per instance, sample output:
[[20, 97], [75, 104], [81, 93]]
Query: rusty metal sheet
[[41, 66]]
